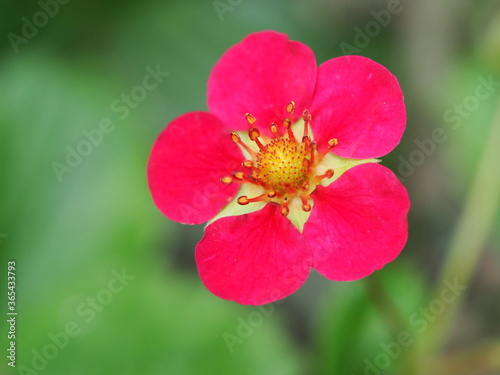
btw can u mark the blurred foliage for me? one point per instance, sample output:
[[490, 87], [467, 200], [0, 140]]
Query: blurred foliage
[[351, 332], [69, 236]]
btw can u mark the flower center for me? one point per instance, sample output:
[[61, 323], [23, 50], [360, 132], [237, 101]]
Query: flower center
[[284, 167]]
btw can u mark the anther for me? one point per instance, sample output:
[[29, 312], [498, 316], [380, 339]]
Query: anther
[[250, 119], [243, 200], [271, 194], [306, 115], [333, 142], [274, 129], [284, 206], [306, 207], [290, 107], [328, 174], [254, 135], [239, 175], [226, 180], [236, 139], [247, 164]]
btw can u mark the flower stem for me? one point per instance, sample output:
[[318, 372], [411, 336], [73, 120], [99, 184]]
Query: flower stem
[[468, 240]]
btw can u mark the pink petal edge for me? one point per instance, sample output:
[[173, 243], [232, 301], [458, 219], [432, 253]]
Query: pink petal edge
[[358, 223], [253, 259], [185, 165], [261, 75], [359, 102]]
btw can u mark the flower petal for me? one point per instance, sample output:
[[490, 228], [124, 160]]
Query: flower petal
[[359, 102], [358, 223], [261, 75], [186, 162], [253, 259]]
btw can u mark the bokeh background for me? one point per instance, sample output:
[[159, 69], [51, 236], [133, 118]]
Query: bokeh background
[[107, 285]]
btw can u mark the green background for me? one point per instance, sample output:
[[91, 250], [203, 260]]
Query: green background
[[71, 236]]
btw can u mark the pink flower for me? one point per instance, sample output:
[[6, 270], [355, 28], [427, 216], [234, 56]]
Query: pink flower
[[283, 167]]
